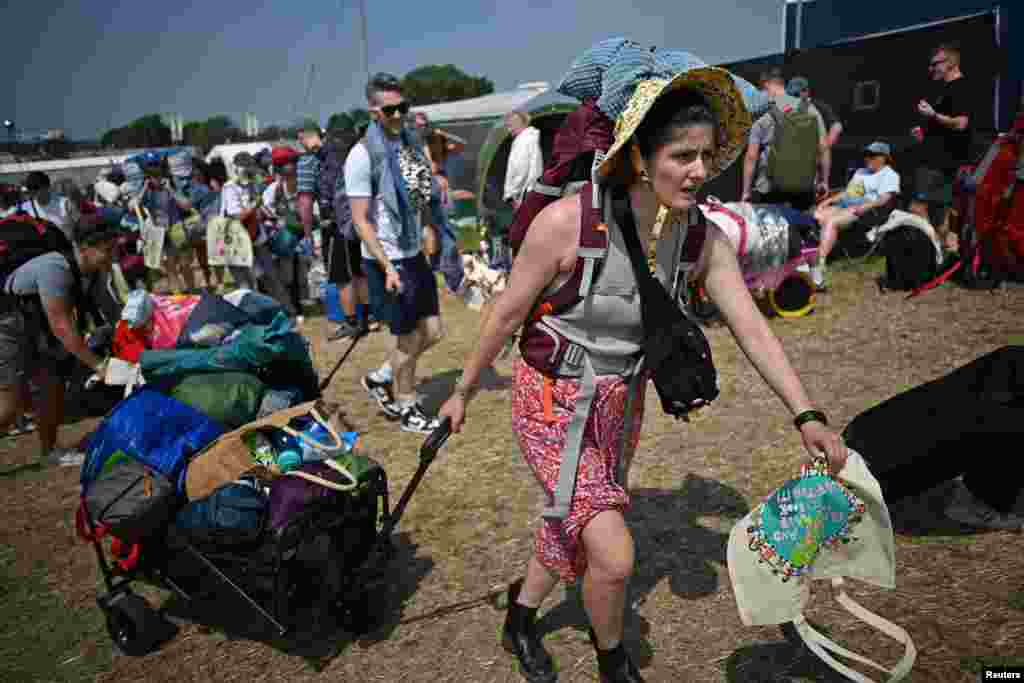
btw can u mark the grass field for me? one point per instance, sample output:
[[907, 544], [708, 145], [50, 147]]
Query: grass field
[[467, 531]]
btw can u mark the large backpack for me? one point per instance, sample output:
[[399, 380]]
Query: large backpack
[[332, 178], [991, 203], [585, 132], [792, 161], [909, 258], [24, 237]]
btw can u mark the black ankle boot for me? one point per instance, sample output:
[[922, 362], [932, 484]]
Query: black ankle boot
[[520, 638], [615, 666]]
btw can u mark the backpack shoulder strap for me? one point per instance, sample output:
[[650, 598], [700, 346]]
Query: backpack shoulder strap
[[590, 254], [593, 237], [719, 207]]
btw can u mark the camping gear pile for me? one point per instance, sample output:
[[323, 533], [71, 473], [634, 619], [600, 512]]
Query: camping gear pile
[[773, 246], [222, 461], [992, 206], [990, 202]]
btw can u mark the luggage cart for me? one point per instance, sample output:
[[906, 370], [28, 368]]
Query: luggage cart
[[358, 525]]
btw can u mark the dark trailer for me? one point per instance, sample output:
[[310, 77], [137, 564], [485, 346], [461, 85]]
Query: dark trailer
[[874, 83]]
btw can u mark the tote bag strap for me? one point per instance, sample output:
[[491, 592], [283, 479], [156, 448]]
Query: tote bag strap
[[819, 644], [337, 467], [313, 443]]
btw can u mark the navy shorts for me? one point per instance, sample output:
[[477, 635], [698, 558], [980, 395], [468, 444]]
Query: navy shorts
[[344, 259], [403, 311]]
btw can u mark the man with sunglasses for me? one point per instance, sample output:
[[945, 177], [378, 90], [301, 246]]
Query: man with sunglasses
[[945, 136], [388, 181]]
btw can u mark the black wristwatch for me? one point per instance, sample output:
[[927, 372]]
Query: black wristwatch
[[809, 416]]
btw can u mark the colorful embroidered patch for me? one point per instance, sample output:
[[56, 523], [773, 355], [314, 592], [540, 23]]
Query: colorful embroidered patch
[[801, 517]]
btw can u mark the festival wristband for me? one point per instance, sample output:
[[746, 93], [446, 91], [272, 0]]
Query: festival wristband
[[465, 392], [809, 416]]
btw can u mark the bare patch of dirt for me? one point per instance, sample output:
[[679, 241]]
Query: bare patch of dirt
[[467, 531]]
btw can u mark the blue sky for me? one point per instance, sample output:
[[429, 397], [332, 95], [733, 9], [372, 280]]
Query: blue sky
[[84, 66]]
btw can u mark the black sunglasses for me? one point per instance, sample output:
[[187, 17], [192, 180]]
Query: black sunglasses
[[390, 109]]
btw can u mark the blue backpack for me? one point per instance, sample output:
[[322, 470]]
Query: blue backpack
[[234, 514]]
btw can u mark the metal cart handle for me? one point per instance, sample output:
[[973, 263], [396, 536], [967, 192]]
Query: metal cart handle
[[428, 451]]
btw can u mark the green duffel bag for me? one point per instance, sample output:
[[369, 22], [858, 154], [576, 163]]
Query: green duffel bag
[[230, 398]]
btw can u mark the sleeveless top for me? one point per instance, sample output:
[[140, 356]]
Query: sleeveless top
[[608, 323]]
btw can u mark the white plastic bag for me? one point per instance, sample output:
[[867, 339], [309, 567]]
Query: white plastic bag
[[317, 280], [138, 309]]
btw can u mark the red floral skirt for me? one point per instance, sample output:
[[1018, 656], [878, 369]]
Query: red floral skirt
[[540, 419]]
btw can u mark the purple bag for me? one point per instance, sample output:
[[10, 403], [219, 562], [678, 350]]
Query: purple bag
[[293, 493]]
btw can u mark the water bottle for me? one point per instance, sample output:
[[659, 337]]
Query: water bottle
[[319, 435], [289, 460], [287, 449]]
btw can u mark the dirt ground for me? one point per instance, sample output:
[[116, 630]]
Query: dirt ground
[[467, 531]]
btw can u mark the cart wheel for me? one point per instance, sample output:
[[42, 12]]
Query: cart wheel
[[134, 627], [794, 297]]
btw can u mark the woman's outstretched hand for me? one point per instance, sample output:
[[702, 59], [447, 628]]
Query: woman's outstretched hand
[[454, 408], [819, 439]]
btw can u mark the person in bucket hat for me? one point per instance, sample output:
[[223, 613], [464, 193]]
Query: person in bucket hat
[[677, 124], [815, 527], [872, 189]]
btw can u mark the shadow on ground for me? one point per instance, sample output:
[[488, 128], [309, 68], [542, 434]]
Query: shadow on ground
[[436, 390], [786, 661], [672, 544], [318, 635]]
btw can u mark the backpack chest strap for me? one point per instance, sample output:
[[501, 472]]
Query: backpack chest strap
[[546, 190]]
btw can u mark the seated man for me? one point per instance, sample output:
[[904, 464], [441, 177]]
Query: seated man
[[872, 187]]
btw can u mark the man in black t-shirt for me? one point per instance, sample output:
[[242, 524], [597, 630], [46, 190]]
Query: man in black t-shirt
[[945, 136], [799, 86]]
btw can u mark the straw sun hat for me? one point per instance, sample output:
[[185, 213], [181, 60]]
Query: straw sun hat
[[627, 79], [723, 97]]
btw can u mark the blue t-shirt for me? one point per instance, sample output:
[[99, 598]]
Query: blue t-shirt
[[162, 206], [204, 200]]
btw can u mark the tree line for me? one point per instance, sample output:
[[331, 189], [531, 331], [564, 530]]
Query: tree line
[[424, 85]]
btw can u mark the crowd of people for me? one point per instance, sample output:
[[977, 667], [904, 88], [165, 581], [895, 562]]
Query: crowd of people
[[798, 176], [369, 209]]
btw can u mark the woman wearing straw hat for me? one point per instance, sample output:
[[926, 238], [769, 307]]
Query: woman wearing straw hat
[[677, 124]]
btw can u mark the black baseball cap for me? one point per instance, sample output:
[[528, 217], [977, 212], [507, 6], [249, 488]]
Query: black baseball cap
[[93, 229]]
